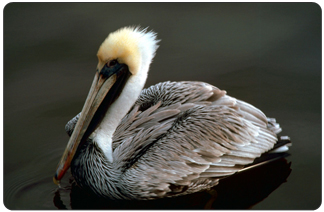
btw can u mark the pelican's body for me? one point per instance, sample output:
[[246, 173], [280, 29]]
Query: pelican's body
[[171, 139]]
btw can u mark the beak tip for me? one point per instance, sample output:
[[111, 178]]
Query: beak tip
[[55, 180]]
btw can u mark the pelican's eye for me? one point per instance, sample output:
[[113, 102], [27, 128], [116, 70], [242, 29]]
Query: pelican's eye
[[112, 63]]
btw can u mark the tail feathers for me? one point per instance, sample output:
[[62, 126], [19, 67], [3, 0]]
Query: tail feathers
[[283, 141], [282, 145], [278, 151], [273, 125]]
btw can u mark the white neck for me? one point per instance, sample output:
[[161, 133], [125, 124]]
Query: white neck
[[142, 45], [118, 109]]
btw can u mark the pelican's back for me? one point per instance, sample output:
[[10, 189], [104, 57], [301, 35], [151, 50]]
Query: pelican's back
[[181, 137]]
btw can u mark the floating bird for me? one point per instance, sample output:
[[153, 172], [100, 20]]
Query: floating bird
[[171, 139]]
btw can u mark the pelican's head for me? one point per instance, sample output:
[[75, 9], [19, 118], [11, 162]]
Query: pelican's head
[[124, 55], [130, 46]]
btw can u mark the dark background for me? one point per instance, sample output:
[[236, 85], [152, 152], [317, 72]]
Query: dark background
[[268, 54]]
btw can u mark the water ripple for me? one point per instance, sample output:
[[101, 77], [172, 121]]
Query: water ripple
[[31, 187]]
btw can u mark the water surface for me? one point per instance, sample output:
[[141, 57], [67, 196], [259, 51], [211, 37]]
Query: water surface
[[264, 53]]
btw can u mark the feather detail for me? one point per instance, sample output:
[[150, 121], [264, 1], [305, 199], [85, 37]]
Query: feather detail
[[185, 136]]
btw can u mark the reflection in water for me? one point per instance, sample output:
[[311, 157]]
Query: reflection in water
[[239, 191], [268, 54]]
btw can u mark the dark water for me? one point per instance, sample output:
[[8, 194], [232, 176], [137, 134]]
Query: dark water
[[268, 54]]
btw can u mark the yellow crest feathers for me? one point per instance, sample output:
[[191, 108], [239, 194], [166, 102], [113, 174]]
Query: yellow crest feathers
[[128, 45]]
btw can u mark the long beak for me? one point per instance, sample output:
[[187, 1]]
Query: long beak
[[98, 91]]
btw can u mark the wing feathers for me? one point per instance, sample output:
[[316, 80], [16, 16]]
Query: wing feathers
[[188, 134]]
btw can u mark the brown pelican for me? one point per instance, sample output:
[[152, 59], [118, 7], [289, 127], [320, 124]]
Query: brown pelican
[[171, 139]]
